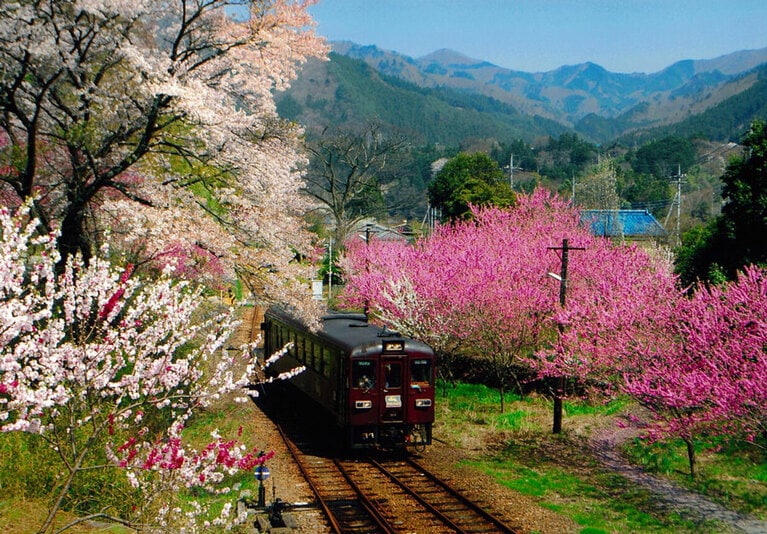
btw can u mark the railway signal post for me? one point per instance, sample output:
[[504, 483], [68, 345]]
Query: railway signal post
[[262, 473]]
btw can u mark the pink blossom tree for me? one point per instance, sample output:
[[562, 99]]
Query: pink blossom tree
[[707, 374], [155, 121], [617, 297], [105, 370], [499, 289], [410, 289], [483, 284], [741, 343]]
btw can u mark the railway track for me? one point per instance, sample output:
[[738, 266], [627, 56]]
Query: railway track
[[367, 495], [346, 509], [440, 498]]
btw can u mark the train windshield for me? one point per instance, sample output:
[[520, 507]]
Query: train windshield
[[420, 374], [393, 372], [363, 374]]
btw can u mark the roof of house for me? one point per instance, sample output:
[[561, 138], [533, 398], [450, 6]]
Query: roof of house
[[623, 223], [379, 231]]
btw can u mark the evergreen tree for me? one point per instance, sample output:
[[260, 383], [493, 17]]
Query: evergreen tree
[[735, 238], [469, 180]]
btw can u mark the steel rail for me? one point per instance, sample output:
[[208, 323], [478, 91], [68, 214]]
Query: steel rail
[[364, 501], [430, 507], [301, 467], [369, 506], [502, 527]]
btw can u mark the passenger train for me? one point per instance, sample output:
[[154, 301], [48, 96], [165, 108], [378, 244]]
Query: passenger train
[[377, 385]]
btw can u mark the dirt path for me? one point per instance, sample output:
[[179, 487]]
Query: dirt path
[[670, 495]]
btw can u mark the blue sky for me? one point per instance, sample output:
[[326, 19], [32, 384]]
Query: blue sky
[[541, 35]]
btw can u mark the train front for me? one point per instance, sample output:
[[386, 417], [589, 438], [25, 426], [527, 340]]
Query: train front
[[391, 395]]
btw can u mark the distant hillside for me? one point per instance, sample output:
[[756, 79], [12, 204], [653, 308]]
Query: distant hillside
[[345, 91], [725, 121], [598, 104]]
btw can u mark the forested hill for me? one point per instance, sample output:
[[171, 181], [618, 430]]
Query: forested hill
[[725, 121], [345, 92], [583, 95], [715, 99]]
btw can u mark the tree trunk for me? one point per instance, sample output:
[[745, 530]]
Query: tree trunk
[[73, 237], [448, 380], [691, 455], [503, 399]]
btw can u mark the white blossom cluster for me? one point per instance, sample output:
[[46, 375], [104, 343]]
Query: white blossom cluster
[[96, 358]]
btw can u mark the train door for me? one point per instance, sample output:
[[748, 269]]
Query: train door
[[391, 404]]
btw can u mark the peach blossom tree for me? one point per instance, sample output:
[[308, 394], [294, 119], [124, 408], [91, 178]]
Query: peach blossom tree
[[707, 374], [696, 360], [481, 287], [104, 370]]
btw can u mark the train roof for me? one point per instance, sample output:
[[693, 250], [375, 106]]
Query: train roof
[[350, 331]]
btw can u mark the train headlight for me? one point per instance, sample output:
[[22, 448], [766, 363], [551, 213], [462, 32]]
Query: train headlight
[[363, 404], [422, 403]]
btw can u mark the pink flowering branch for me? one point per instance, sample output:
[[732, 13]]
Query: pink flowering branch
[[115, 298]]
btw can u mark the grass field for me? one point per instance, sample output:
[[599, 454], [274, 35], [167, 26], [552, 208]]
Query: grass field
[[560, 473]]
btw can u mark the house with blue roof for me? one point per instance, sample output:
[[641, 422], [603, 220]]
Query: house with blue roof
[[623, 224]]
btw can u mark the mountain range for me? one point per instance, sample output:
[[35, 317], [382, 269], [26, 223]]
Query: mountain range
[[447, 91]]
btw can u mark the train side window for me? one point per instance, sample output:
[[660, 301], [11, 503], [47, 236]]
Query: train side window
[[277, 338], [363, 374], [315, 352], [299, 347], [420, 373], [304, 345], [326, 362]]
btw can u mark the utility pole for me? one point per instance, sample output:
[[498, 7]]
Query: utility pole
[[572, 198], [679, 183], [430, 218], [511, 171], [560, 388], [330, 269], [367, 266], [678, 180]]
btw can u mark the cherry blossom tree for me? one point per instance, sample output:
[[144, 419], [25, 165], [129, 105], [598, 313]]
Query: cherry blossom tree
[[105, 370], [155, 121]]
